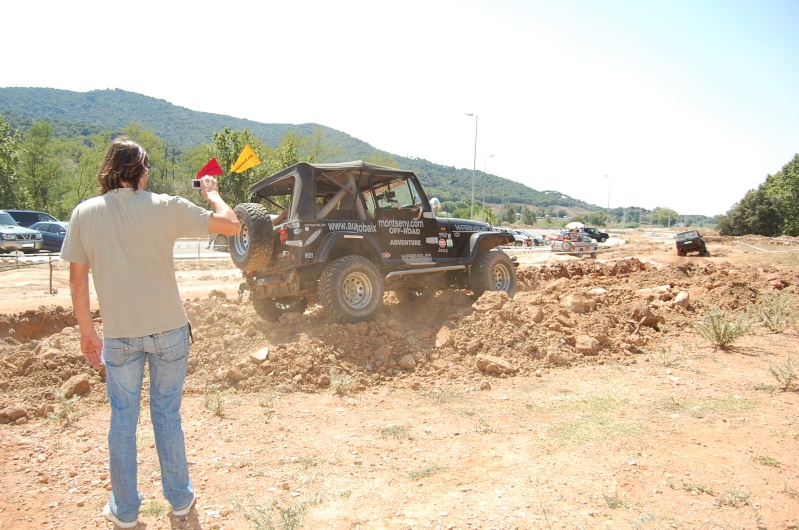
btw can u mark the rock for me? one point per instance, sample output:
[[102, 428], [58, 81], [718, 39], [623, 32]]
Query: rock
[[407, 362], [77, 385], [491, 300], [578, 303], [443, 337], [587, 345], [495, 365], [235, 375], [259, 356], [644, 315], [682, 300], [12, 413]]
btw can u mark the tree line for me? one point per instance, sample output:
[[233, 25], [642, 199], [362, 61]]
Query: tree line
[[41, 171], [772, 209]]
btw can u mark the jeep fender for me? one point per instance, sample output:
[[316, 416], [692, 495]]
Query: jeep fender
[[480, 242], [367, 246]]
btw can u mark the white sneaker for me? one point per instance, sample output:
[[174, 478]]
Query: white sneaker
[[108, 514], [186, 510]]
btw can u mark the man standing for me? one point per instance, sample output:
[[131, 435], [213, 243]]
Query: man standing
[[126, 236]]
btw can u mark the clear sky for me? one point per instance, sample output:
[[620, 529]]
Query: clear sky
[[684, 104]]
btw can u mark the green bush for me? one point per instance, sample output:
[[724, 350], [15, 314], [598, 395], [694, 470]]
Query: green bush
[[720, 328]]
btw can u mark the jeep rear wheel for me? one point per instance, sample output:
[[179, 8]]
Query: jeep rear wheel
[[271, 310], [351, 289], [251, 248], [602, 239], [493, 271]]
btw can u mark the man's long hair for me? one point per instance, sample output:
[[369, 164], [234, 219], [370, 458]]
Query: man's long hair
[[124, 162]]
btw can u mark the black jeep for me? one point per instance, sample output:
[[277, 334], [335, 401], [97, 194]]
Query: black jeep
[[691, 241], [352, 231]]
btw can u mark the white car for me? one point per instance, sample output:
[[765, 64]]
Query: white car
[[576, 244], [14, 237]]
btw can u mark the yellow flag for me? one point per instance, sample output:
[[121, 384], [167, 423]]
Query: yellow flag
[[246, 160]]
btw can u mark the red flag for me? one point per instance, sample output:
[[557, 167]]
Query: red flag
[[211, 168]]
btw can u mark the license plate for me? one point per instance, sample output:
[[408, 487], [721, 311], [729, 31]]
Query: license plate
[[26, 245]]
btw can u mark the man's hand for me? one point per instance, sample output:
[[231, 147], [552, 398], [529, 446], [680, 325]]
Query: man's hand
[[92, 347]]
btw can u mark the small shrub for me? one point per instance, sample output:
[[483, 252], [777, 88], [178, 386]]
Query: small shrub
[[697, 488], [734, 498], [785, 373], [400, 432], [774, 310], [767, 461], [341, 384], [65, 409], [720, 328], [212, 399]]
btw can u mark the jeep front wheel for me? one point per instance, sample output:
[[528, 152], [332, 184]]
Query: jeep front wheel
[[351, 289], [251, 248], [493, 271]]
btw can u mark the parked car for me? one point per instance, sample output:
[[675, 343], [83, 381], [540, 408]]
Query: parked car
[[595, 234], [53, 234], [518, 238], [534, 239], [691, 241], [14, 237], [28, 217], [578, 245]]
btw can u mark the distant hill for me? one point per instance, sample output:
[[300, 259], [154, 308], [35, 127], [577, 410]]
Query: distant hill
[[87, 113]]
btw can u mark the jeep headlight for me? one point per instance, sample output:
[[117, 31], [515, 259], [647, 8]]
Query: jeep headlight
[[9, 237]]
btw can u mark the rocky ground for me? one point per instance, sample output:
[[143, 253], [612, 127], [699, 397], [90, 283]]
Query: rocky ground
[[589, 400]]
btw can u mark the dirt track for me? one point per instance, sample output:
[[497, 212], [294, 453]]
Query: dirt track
[[586, 401]]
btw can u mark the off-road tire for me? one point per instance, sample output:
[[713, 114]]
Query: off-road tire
[[580, 253], [251, 248], [220, 243], [351, 289], [271, 310], [681, 253], [705, 252], [602, 239], [493, 271], [593, 254], [566, 246]]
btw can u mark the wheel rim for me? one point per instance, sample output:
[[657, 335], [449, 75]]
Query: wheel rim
[[242, 240], [357, 290], [500, 278]]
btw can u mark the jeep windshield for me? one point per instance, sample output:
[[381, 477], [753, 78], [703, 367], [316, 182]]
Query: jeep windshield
[[687, 235]]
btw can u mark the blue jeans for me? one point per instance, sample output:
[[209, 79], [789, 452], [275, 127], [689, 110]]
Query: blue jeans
[[168, 355]]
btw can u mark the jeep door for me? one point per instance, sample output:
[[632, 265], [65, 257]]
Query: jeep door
[[405, 234]]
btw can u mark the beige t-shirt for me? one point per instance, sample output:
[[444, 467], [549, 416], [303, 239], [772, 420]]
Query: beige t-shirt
[[127, 237]]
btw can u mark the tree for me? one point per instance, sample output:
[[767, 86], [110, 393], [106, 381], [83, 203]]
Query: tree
[[11, 193], [41, 171], [528, 216], [508, 215], [664, 216], [757, 213]]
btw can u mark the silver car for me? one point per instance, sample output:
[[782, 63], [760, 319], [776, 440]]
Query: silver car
[[14, 237]]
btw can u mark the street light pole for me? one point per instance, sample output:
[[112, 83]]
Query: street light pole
[[474, 163], [607, 221], [485, 174]]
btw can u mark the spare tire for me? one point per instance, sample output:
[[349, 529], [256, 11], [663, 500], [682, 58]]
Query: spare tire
[[566, 246], [251, 248]]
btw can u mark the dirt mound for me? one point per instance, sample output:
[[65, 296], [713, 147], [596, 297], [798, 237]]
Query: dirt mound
[[566, 313]]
